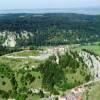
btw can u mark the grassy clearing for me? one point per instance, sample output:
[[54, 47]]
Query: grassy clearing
[[75, 79], [93, 48], [72, 77], [5, 83], [38, 81], [93, 93], [36, 84], [33, 97]]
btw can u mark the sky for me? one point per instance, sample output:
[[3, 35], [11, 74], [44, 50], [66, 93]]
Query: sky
[[41, 4]]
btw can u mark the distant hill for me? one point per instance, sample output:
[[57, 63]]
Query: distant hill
[[89, 11], [22, 29]]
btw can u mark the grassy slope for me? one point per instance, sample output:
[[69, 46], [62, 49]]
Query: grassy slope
[[15, 65], [18, 63], [94, 48], [93, 93], [26, 53], [37, 83]]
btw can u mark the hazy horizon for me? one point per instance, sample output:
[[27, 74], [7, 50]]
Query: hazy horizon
[[50, 6], [88, 11]]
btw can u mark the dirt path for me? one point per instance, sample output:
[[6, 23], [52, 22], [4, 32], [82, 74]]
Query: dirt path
[[75, 93], [42, 56]]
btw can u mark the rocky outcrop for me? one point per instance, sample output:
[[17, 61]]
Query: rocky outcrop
[[92, 62], [10, 39]]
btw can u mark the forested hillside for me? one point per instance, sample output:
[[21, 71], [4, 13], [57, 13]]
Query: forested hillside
[[48, 29]]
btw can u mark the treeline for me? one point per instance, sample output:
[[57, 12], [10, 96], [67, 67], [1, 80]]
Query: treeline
[[7, 50]]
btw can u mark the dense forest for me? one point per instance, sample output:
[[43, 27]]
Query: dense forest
[[50, 29]]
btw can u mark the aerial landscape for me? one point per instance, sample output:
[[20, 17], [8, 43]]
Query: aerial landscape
[[50, 51]]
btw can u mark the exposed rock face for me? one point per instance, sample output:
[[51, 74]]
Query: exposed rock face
[[92, 62], [10, 39]]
